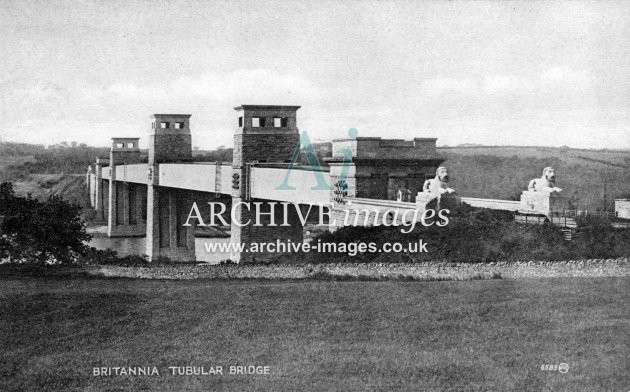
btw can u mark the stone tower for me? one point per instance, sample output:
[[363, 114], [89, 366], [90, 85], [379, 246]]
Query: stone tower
[[169, 142], [124, 151], [170, 139], [265, 134]]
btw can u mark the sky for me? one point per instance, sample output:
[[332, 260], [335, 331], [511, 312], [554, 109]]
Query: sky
[[495, 73]]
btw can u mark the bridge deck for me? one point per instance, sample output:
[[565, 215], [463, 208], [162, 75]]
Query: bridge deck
[[217, 178]]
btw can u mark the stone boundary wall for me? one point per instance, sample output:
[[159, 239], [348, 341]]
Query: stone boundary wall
[[383, 271]]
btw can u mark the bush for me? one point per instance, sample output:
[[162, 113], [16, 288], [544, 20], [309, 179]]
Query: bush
[[43, 232], [479, 235], [597, 239]]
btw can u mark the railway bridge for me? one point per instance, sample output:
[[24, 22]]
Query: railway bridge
[[155, 198]]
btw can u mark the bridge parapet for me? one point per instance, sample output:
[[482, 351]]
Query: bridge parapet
[[357, 211], [493, 204], [532, 203]]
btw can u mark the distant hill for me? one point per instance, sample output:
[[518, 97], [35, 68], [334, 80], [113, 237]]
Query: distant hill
[[19, 160], [44, 171], [591, 178]]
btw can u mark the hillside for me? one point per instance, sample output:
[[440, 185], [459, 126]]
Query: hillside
[[19, 160], [591, 178], [44, 171]]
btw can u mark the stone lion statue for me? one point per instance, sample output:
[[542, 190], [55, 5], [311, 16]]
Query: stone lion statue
[[546, 183], [439, 184]]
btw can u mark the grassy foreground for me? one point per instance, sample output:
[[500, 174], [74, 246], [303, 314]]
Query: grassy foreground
[[316, 335]]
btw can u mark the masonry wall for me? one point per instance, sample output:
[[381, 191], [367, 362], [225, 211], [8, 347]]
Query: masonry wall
[[430, 271], [263, 147], [170, 147], [250, 233], [383, 179], [378, 148]]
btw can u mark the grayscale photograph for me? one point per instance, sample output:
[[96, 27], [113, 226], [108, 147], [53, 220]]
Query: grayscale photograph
[[347, 195]]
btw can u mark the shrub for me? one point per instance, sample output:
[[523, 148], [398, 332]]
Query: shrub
[[43, 232], [479, 235]]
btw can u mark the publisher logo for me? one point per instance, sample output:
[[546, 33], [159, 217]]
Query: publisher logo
[[562, 367]]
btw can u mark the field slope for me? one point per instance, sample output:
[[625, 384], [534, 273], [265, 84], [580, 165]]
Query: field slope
[[350, 336]]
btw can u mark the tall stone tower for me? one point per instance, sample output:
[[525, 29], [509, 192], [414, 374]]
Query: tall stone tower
[[170, 139], [264, 134], [124, 151], [169, 142]]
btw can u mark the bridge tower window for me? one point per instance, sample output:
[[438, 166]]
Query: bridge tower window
[[129, 145], [258, 122], [120, 145], [280, 122], [164, 125], [179, 125], [240, 122]]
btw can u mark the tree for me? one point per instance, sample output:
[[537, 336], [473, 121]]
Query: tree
[[44, 232]]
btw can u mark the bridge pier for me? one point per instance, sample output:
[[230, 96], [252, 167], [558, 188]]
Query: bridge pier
[[168, 208], [127, 210], [124, 218], [100, 196], [166, 235], [264, 222]]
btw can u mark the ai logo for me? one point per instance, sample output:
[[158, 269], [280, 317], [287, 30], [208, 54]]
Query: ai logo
[[311, 156]]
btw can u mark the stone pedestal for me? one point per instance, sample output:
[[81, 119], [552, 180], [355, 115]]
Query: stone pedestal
[[542, 203], [622, 208]]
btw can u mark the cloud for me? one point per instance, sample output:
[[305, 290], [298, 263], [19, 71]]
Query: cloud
[[477, 109], [561, 75], [555, 77], [441, 86], [240, 86], [502, 84], [127, 90], [23, 99]]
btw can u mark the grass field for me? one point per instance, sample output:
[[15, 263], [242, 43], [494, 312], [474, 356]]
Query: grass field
[[316, 335]]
